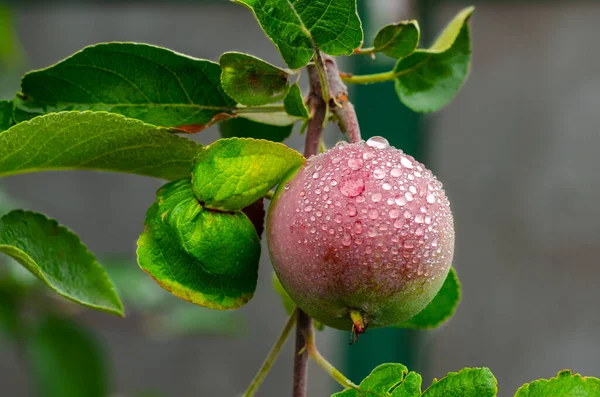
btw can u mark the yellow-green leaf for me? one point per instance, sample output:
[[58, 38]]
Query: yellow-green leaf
[[206, 257], [231, 174]]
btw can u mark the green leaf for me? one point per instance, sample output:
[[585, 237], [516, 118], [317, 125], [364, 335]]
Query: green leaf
[[468, 382], [66, 360], [206, 257], [564, 384], [296, 27], [141, 81], [428, 79], [231, 174], [244, 128], [397, 40], [441, 308], [387, 380], [58, 258], [410, 387], [6, 115], [294, 103], [94, 141], [252, 81]]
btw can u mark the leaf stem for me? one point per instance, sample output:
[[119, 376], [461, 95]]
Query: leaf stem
[[272, 356], [322, 362], [364, 51], [371, 78]]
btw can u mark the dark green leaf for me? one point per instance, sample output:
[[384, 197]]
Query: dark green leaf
[[57, 257], [206, 257], [441, 308], [67, 361], [140, 81], [252, 81], [6, 115], [94, 141], [397, 40], [387, 380], [296, 27], [564, 384], [244, 128], [468, 382], [294, 103], [231, 174], [428, 79]]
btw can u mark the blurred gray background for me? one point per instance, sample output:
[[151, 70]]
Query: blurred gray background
[[516, 151]]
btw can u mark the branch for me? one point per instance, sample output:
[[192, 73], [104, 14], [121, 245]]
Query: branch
[[340, 105]]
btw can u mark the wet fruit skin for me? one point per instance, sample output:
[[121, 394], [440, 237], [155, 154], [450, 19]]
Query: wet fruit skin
[[362, 228]]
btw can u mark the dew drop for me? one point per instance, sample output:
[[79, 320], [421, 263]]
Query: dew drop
[[372, 232], [419, 218], [357, 227], [378, 142], [336, 160], [408, 196], [379, 173], [352, 186], [351, 209], [394, 213], [355, 164], [423, 209], [346, 240], [434, 243], [396, 172], [406, 162], [407, 214], [368, 155], [412, 189], [333, 182], [373, 214], [428, 219], [313, 230], [430, 198], [401, 201], [341, 143], [376, 197], [319, 213], [308, 208], [386, 186], [286, 186], [360, 199], [338, 218], [315, 175]]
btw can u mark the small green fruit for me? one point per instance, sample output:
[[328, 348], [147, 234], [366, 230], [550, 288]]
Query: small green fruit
[[361, 235]]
